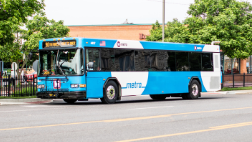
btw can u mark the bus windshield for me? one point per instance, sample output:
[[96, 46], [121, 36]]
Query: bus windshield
[[61, 62]]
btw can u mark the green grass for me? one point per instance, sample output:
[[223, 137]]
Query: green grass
[[22, 94], [24, 97], [28, 90], [238, 88]]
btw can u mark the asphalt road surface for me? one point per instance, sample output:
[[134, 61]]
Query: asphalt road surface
[[213, 117]]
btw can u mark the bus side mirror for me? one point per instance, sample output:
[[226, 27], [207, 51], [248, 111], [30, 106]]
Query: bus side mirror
[[90, 65]]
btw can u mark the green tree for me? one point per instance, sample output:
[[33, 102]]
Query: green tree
[[228, 21], [13, 13], [40, 27]]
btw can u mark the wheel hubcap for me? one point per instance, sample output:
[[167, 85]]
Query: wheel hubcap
[[110, 92], [195, 90]]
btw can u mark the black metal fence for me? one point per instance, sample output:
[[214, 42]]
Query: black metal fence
[[18, 87], [237, 80]]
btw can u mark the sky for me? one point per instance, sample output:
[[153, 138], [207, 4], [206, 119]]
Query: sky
[[102, 12], [99, 12]]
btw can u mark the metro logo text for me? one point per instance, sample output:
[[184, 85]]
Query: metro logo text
[[134, 85]]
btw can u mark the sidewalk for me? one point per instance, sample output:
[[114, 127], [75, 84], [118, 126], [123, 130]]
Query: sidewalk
[[236, 92], [24, 101]]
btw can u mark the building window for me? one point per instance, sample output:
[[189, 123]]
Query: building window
[[236, 65], [249, 64], [231, 65]]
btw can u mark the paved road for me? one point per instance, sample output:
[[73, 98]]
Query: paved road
[[214, 117]]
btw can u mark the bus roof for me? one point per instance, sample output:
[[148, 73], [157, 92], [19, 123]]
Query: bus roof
[[132, 44]]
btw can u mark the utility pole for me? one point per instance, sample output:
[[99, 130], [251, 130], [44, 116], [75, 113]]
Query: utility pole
[[163, 21]]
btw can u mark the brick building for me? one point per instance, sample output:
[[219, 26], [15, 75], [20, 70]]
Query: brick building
[[116, 31]]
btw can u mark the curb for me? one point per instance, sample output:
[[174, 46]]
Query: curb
[[243, 92], [23, 101], [238, 93]]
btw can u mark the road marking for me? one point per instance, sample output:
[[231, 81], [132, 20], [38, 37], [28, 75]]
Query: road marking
[[151, 107], [126, 119], [192, 132], [50, 125]]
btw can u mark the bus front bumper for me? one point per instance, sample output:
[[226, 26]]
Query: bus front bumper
[[61, 95]]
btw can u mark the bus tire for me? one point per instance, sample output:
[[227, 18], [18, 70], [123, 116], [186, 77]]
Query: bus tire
[[70, 101], [194, 90], [158, 97], [110, 93]]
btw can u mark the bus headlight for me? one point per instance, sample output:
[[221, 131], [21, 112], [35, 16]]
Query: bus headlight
[[41, 86], [74, 85]]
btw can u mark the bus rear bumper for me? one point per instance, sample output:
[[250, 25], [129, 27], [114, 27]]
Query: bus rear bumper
[[62, 95]]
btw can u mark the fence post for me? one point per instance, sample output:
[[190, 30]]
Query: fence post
[[5, 88], [1, 85], [33, 81], [243, 79], [233, 80], [222, 80], [9, 82], [20, 87], [14, 85], [26, 88]]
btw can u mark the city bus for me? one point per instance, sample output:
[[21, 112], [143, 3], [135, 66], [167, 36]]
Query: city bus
[[86, 68]]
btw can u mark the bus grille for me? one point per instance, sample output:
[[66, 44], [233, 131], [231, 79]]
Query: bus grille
[[58, 90]]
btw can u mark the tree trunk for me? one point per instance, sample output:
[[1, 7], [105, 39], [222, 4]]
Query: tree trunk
[[21, 69], [18, 71]]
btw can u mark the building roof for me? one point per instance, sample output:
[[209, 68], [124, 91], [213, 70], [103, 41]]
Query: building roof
[[110, 25]]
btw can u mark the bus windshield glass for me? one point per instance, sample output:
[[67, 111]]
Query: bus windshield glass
[[61, 62]]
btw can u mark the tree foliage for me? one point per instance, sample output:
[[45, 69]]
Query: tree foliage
[[27, 39], [13, 13], [41, 28], [228, 21]]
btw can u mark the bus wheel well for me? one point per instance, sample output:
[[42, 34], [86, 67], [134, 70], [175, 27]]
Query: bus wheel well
[[197, 79], [117, 83]]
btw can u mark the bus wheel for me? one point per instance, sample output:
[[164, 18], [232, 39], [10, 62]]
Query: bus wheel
[[70, 101], [110, 93], [194, 90], [158, 97]]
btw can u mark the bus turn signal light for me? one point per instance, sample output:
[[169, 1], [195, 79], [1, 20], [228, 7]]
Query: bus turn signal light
[[41, 86], [82, 85]]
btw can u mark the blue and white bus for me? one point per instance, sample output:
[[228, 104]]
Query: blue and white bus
[[84, 68]]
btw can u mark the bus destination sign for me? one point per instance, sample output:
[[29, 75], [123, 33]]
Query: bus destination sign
[[64, 43]]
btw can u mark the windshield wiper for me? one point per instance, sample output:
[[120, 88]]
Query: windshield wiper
[[59, 65]]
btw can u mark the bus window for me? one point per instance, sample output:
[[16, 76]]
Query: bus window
[[142, 60], [158, 60], [107, 60], [182, 63], [124, 60], [195, 61], [171, 66], [61, 62], [92, 55], [207, 62]]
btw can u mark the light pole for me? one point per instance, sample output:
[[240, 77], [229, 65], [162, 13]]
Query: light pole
[[163, 21]]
